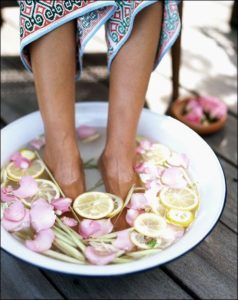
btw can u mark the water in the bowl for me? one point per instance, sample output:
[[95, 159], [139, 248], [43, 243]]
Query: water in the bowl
[[158, 210]]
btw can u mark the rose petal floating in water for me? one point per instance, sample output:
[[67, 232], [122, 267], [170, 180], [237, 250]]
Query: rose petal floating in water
[[85, 131], [178, 160], [138, 201], [71, 222], [95, 228], [42, 215], [7, 194], [148, 167], [144, 145], [28, 187], [151, 196], [99, 258], [38, 143], [170, 235], [42, 241], [15, 212], [62, 204], [20, 161], [173, 177], [123, 241], [131, 215], [19, 225]]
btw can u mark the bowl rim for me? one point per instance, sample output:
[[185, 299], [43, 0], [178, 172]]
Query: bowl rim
[[135, 270]]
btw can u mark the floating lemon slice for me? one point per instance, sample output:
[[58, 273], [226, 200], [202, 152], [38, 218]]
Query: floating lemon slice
[[143, 242], [158, 154], [150, 224], [4, 177], [180, 217], [118, 204], [46, 190], [93, 205], [35, 170], [28, 154], [185, 199]]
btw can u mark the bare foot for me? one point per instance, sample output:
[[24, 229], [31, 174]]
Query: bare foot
[[67, 167], [118, 176]]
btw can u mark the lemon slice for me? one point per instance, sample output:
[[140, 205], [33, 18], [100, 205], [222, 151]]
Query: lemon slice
[[158, 154], [3, 177], [93, 205], [180, 217], [185, 199], [150, 224], [46, 190], [35, 170], [118, 204], [143, 242], [28, 154]]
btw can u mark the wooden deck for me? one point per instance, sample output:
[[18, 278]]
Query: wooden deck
[[210, 270]]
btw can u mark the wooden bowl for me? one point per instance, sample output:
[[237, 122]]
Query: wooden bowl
[[176, 111]]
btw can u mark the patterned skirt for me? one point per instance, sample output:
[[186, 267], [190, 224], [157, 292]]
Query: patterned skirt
[[37, 18]]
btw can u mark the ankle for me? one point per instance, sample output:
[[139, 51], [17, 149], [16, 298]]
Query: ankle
[[124, 153]]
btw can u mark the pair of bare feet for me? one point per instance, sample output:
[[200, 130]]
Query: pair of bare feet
[[116, 167], [67, 166]]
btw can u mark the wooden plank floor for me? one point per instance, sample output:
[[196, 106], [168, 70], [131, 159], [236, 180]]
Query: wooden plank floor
[[210, 270]]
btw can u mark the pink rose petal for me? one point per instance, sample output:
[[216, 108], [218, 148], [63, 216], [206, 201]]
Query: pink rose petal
[[42, 242], [19, 225], [62, 204], [15, 212], [212, 105], [138, 201], [28, 187], [20, 161], [71, 222], [7, 194], [42, 215], [151, 196], [99, 258], [38, 143], [170, 235], [95, 228], [193, 103], [85, 131], [131, 215], [148, 168], [123, 241], [173, 177], [195, 116], [178, 160]]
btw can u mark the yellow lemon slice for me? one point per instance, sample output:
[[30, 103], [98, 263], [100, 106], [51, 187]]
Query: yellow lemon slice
[[46, 190], [150, 224], [180, 217], [35, 170], [4, 177], [28, 154], [118, 204], [93, 205], [185, 199], [143, 242], [158, 154]]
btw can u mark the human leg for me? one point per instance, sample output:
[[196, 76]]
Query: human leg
[[130, 73], [54, 64]]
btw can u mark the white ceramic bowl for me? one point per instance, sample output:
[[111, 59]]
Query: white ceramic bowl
[[204, 168]]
